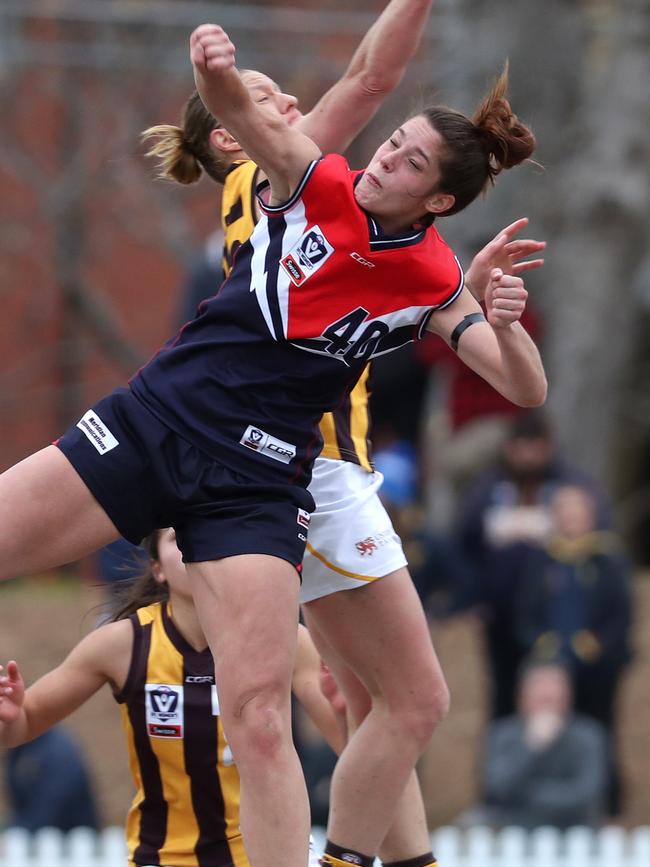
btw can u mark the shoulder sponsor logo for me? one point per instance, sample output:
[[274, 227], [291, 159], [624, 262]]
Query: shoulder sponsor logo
[[309, 254], [96, 431], [259, 441], [164, 710], [293, 269]]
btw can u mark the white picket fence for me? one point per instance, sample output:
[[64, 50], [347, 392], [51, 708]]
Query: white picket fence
[[476, 847]]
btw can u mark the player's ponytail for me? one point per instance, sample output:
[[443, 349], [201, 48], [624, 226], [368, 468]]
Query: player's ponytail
[[475, 150], [184, 152], [506, 140], [143, 590]]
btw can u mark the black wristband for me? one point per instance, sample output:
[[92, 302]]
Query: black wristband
[[463, 325]]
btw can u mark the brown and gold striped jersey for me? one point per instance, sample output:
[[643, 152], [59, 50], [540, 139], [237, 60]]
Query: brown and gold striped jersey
[[185, 812], [345, 431]]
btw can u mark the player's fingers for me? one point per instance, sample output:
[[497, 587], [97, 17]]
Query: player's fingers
[[508, 305], [518, 267], [523, 246], [511, 230], [207, 30]]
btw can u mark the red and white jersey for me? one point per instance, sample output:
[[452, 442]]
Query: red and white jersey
[[331, 253], [316, 292]]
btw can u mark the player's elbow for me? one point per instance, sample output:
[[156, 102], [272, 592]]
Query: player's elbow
[[533, 396], [377, 84]]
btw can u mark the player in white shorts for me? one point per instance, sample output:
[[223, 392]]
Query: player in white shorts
[[352, 541]]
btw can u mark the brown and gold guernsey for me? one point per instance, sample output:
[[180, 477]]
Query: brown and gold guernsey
[[345, 431], [185, 812]]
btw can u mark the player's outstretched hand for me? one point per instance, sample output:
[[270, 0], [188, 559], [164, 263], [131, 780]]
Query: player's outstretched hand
[[211, 50], [12, 692], [504, 251], [505, 299]]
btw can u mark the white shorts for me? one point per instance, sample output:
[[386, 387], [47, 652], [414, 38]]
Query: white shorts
[[351, 538]]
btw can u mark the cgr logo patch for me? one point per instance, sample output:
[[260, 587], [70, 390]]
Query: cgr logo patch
[[309, 254], [259, 441]]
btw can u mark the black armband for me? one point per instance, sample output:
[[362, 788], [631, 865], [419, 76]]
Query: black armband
[[463, 325]]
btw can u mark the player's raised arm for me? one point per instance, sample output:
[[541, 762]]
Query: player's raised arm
[[281, 152], [497, 347], [376, 68]]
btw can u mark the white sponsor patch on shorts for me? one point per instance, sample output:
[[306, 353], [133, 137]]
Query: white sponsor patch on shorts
[[303, 518], [97, 432], [259, 441]]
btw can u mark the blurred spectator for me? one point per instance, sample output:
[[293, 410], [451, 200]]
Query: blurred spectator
[[466, 425], [434, 562], [48, 785], [542, 765], [575, 604], [398, 389], [505, 513]]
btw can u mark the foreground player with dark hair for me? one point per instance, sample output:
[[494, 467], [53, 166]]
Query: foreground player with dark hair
[[349, 513]]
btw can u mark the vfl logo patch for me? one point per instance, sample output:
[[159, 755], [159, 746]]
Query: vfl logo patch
[[97, 432], [307, 256], [259, 441], [164, 710]]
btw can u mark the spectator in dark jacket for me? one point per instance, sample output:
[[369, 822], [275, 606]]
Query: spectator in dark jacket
[[507, 512], [543, 765], [575, 604], [48, 785]]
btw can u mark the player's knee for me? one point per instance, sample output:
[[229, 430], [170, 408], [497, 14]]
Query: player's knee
[[259, 727], [424, 713]]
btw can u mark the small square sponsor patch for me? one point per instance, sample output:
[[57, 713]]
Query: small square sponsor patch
[[307, 255], [259, 441], [97, 432], [164, 710], [303, 518]]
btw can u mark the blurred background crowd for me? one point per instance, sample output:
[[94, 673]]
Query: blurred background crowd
[[526, 531]]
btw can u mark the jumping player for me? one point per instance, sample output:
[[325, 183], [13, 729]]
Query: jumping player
[[154, 656], [344, 486], [217, 433]]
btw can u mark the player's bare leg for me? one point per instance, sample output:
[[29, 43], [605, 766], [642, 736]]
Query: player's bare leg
[[381, 632], [408, 836], [48, 516], [248, 607]]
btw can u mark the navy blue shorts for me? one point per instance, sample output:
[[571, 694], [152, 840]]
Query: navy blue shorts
[[145, 476]]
